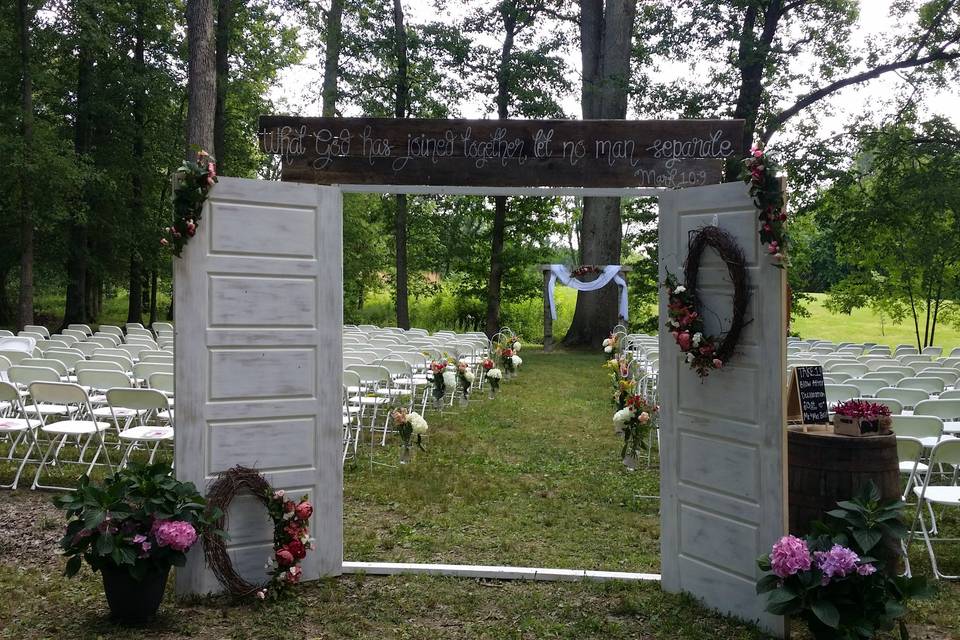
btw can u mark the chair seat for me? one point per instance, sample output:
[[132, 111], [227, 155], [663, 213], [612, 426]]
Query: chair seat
[[147, 433], [907, 467], [370, 399], [393, 393], [8, 425], [120, 412], [940, 495], [75, 427]]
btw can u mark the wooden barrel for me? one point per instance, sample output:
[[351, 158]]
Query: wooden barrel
[[825, 468]]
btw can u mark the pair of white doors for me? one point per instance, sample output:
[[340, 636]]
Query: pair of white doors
[[258, 304]]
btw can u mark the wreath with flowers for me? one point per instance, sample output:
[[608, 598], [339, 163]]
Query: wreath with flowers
[[585, 269], [291, 534], [191, 185], [705, 352], [766, 189]]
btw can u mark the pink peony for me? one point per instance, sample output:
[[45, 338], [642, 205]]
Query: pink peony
[[278, 494], [683, 340], [164, 242], [718, 363], [790, 555], [293, 575], [284, 558], [304, 510], [176, 534], [296, 549]]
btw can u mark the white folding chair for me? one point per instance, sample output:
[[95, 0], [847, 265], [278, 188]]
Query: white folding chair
[[946, 453], [141, 406], [86, 432], [17, 429]]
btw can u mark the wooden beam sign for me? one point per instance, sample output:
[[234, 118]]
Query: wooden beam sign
[[510, 153]]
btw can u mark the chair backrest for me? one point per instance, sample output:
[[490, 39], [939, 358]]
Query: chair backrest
[[69, 358], [855, 369], [949, 376], [75, 333], [105, 339], [895, 406], [81, 327], [109, 328], [138, 399], [397, 367], [907, 397], [904, 349], [867, 387], [87, 347], [917, 426], [123, 361], [947, 410], [68, 339], [912, 359], [371, 374], [4, 365], [98, 365], [6, 333], [58, 393], [24, 375], [161, 382], [163, 326], [932, 351], [15, 357], [141, 339], [153, 357], [133, 349], [49, 363], [143, 370], [889, 377], [909, 449], [134, 325], [9, 393], [906, 371], [950, 394], [155, 352], [101, 379], [350, 361], [840, 393], [36, 328], [32, 334], [350, 379], [930, 385], [946, 452]]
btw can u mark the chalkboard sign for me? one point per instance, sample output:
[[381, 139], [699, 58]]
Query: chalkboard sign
[[808, 396], [548, 153]]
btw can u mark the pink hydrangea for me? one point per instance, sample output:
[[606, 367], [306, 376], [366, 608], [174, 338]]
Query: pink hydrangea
[[836, 563], [790, 555], [176, 534]]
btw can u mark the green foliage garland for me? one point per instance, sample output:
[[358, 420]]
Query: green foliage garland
[[191, 185]]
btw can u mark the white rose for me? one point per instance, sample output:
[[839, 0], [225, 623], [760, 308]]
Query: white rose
[[449, 379], [697, 338], [622, 416], [495, 374], [606, 342], [468, 375], [517, 361], [607, 348], [674, 323], [689, 358], [516, 346], [680, 289], [417, 423]]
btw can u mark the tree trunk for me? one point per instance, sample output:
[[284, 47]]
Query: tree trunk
[[75, 308], [4, 304], [331, 60], [606, 32], [401, 106], [25, 300], [225, 10], [153, 297], [495, 276], [201, 77], [137, 206]]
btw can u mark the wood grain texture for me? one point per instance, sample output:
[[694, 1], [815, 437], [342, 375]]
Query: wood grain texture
[[598, 153], [723, 481], [258, 324]]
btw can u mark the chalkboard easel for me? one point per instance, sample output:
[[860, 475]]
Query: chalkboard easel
[[807, 399]]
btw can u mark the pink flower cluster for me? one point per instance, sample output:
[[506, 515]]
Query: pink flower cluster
[[861, 409], [790, 555], [836, 563], [176, 534]]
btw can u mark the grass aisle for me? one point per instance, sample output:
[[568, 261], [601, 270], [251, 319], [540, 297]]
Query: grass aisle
[[532, 478]]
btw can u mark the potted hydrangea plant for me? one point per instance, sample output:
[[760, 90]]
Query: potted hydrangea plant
[[132, 529]]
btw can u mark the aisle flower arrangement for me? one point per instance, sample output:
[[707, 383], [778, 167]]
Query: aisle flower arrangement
[[409, 424], [611, 343], [437, 372], [842, 580], [623, 385], [633, 423], [465, 378], [506, 358], [493, 377]]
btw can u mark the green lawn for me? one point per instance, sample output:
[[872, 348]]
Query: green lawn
[[532, 479], [863, 325]]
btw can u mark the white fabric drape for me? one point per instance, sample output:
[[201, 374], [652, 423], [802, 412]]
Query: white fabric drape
[[610, 272]]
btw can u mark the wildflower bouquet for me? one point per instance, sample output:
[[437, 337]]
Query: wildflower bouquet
[[633, 422]]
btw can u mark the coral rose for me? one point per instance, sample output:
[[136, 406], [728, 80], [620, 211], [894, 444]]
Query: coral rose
[[284, 557], [304, 510]]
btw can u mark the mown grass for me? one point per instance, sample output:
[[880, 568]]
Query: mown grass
[[531, 478], [863, 325]]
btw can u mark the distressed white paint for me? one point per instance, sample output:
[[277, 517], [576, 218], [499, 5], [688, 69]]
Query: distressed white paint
[[723, 483], [258, 325]]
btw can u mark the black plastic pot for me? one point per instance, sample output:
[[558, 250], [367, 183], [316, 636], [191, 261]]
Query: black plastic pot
[[133, 602]]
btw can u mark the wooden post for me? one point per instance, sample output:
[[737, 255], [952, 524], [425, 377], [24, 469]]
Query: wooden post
[[547, 318]]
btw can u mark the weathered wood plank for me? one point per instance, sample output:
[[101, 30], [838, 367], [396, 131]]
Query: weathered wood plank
[[598, 153]]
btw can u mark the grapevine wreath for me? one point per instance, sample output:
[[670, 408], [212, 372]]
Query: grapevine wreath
[[291, 539], [685, 322]]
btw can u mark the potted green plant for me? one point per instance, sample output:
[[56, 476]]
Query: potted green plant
[[132, 529]]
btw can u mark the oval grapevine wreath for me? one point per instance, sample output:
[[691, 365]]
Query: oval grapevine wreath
[[291, 539], [685, 322]]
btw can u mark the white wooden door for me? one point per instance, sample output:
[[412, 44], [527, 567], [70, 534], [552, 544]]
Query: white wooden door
[[258, 306], [723, 445]]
